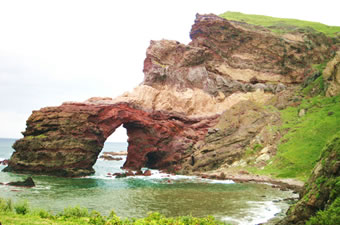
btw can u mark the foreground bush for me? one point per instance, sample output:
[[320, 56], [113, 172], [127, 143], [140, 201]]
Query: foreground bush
[[22, 214], [328, 216]]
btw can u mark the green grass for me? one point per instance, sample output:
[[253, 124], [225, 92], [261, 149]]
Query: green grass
[[81, 216], [305, 137], [277, 25]]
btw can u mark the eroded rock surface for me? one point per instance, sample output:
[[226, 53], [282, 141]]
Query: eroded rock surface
[[67, 140], [227, 142]]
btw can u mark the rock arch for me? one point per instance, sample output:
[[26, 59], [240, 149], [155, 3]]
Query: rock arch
[[66, 140]]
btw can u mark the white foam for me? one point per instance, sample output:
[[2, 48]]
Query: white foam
[[218, 181], [157, 176], [259, 212]]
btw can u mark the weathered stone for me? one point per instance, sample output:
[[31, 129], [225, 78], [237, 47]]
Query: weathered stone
[[302, 112], [262, 158], [331, 75]]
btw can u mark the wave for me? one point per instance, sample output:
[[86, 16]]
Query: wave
[[259, 212]]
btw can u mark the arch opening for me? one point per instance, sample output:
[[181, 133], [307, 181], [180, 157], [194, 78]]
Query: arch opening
[[113, 154]]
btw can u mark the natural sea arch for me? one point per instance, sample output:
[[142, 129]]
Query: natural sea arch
[[66, 140]]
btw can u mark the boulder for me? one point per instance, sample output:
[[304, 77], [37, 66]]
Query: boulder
[[147, 173]]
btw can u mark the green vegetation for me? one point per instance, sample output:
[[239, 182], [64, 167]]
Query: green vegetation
[[315, 87], [278, 25], [300, 147], [21, 214], [38, 136], [251, 151], [306, 128], [329, 216]]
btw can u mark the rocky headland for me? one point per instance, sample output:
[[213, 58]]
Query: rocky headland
[[209, 107]]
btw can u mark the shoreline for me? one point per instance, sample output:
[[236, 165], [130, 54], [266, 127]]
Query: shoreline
[[238, 177]]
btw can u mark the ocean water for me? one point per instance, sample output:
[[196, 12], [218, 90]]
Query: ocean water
[[136, 196]]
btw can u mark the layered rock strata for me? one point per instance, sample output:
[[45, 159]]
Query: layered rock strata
[[228, 69], [226, 56]]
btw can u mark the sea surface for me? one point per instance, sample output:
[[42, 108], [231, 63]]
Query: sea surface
[[136, 196]]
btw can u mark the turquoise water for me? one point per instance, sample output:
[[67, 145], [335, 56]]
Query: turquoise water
[[136, 196]]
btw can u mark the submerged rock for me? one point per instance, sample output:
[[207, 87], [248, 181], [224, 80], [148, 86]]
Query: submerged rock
[[110, 158], [121, 153], [26, 183]]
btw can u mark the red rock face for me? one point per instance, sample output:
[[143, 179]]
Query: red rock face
[[67, 140]]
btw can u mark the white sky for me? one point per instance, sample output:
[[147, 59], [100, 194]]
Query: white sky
[[56, 51]]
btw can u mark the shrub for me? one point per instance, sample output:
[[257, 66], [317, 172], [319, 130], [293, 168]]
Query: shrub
[[75, 212], [42, 213], [22, 207], [329, 216], [96, 218]]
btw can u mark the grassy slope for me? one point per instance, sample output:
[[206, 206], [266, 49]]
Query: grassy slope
[[276, 23], [300, 147], [305, 137]]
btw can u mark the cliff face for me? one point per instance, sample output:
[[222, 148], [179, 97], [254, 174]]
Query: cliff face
[[228, 56], [197, 101]]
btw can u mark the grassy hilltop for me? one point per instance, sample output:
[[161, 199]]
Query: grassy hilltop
[[281, 25]]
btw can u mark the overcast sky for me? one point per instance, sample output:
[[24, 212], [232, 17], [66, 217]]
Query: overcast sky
[[57, 51]]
